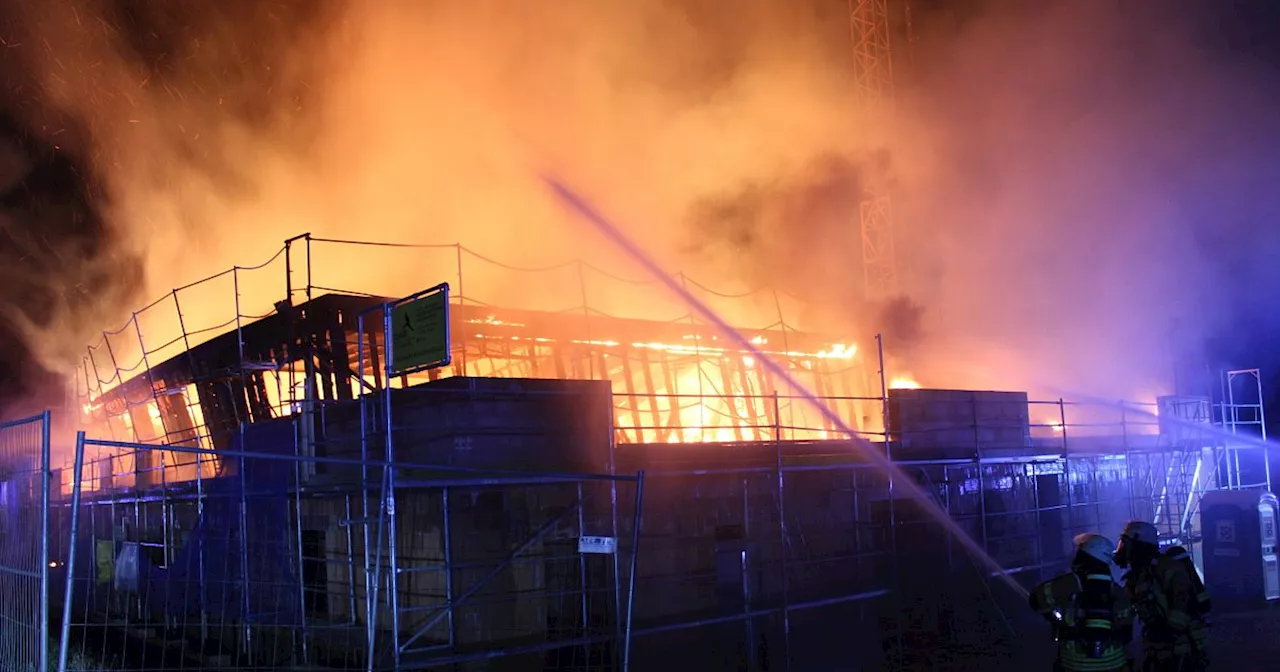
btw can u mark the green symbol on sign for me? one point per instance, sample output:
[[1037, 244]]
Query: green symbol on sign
[[420, 331]]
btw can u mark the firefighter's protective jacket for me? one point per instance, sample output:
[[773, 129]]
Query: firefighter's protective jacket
[[1058, 601], [1172, 603]]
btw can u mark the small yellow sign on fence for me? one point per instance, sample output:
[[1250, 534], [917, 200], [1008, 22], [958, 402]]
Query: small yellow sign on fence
[[104, 555]]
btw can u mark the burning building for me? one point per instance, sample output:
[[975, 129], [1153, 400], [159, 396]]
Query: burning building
[[591, 467], [673, 381], [485, 509]]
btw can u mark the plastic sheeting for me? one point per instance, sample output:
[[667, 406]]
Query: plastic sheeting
[[238, 562]]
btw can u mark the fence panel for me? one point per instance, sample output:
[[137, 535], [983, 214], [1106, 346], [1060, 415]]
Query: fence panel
[[750, 556], [24, 547], [269, 563]]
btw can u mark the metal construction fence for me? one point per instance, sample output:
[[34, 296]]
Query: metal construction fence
[[295, 548], [259, 558], [817, 563], [24, 544], [777, 556]]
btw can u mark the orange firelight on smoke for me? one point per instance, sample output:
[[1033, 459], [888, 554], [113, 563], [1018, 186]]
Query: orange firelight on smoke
[[904, 383]]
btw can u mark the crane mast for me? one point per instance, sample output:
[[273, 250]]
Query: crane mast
[[870, 35]]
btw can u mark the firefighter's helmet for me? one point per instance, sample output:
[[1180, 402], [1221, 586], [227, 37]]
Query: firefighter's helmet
[[1141, 531], [1095, 546]]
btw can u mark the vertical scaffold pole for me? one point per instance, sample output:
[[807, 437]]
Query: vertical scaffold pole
[[448, 564], [462, 302], [1066, 468], [247, 586], [301, 557], [370, 573], [893, 517], [782, 538], [288, 298], [310, 284], [586, 317], [631, 576], [146, 364], [389, 484], [613, 510]]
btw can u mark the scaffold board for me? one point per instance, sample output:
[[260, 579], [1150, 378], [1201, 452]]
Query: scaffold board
[[419, 328]]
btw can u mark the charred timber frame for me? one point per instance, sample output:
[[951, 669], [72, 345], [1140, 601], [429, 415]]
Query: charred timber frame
[[314, 346]]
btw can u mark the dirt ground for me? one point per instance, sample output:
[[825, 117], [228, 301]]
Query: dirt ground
[[1241, 642], [1246, 642]]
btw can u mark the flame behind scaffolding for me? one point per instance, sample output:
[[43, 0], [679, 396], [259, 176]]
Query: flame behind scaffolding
[[674, 380]]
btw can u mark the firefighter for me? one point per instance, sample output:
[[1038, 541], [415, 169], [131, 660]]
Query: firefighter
[[1091, 616], [1170, 600]]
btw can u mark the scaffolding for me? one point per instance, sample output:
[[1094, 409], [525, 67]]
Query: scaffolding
[[1244, 457], [675, 379]]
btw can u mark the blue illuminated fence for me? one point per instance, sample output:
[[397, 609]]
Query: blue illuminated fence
[[24, 544]]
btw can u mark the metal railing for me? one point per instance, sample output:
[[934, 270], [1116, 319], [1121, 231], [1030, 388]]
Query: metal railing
[[167, 329]]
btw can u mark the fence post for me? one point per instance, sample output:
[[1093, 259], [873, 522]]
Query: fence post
[[631, 577], [64, 640], [462, 303], [44, 540], [1066, 469], [783, 542]]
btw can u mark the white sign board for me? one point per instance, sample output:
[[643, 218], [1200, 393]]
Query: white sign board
[[598, 545]]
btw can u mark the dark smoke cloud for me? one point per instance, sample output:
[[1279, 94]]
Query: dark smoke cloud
[[902, 322], [67, 264], [224, 128], [799, 233], [211, 65], [58, 255], [768, 228], [1059, 165]]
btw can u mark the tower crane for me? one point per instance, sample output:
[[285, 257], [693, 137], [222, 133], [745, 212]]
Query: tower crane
[[870, 35]]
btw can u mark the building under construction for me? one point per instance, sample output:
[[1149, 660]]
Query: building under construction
[[576, 491]]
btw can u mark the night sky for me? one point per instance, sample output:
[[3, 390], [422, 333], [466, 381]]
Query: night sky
[[51, 225]]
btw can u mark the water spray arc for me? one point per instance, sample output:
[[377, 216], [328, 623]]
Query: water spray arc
[[902, 480]]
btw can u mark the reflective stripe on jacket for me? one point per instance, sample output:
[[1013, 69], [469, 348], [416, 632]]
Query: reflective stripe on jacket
[[1057, 601]]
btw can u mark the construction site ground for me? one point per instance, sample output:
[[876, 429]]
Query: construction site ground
[[1241, 642]]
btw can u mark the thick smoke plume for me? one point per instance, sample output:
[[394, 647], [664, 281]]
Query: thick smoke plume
[[1074, 160], [60, 263], [1037, 161]]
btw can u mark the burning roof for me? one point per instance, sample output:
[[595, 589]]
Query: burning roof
[[672, 381]]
